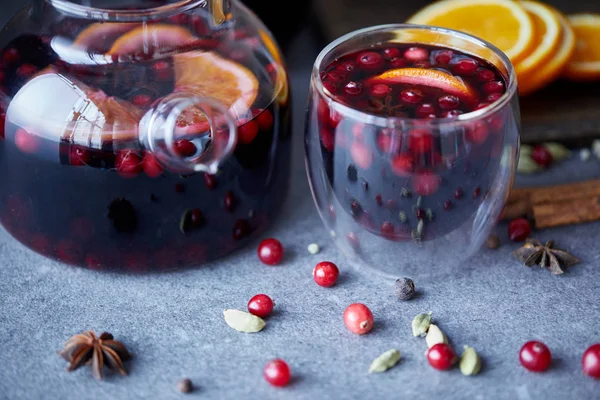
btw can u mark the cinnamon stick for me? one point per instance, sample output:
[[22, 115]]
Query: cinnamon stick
[[553, 206]]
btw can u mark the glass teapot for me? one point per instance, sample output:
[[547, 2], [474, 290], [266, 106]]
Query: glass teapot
[[140, 134]]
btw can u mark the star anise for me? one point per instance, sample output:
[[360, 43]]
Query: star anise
[[86, 348], [534, 252], [386, 107]]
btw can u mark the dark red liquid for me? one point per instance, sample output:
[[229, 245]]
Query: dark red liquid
[[108, 205], [420, 182]]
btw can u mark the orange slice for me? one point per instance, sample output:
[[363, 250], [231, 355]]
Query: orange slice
[[552, 68], [152, 39], [210, 75], [585, 63], [102, 35], [428, 77], [504, 23], [546, 40]]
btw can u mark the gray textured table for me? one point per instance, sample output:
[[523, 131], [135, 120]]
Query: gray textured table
[[173, 322]]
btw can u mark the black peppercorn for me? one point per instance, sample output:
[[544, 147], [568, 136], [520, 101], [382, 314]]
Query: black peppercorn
[[493, 242], [404, 288]]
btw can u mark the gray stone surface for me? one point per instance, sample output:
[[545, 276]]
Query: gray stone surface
[[174, 326]]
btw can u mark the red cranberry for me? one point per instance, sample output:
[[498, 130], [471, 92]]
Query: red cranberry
[[229, 201], [361, 155], [265, 120], [420, 141], [277, 373], [591, 361], [466, 67], [477, 133], [425, 183], [358, 318], [535, 356], [197, 218], [141, 100], [128, 164], [26, 142], [493, 87], [476, 192], [270, 251], [541, 156], [387, 229], [411, 96], [443, 57], [416, 54], [424, 110], [398, 62], [494, 97], [458, 193], [346, 66], [151, 166], [353, 88], [210, 181], [370, 60], [184, 148], [485, 75], [260, 305], [441, 356], [519, 229], [162, 70], [325, 274], [448, 102], [447, 205], [241, 229], [402, 165], [391, 52], [78, 156], [420, 213], [379, 199], [247, 131], [380, 90], [11, 56]]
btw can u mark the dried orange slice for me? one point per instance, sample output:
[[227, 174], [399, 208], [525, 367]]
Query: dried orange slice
[[546, 39], [585, 63], [552, 68], [210, 75], [102, 35], [430, 78], [152, 39], [504, 23]]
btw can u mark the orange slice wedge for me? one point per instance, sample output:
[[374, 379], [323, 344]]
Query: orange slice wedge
[[546, 40], [585, 63], [152, 39], [210, 75], [504, 23], [430, 78], [102, 35], [552, 68]]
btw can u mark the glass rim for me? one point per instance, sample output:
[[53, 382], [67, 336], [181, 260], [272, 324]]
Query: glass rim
[[382, 121], [107, 14]]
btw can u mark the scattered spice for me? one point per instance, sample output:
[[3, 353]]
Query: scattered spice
[[122, 214], [420, 324], [526, 165], [185, 385], [243, 322], [404, 288], [313, 248], [87, 348], [385, 361], [435, 336], [470, 363], [492, 242], [402, 216], [533, 252], [558, 151]]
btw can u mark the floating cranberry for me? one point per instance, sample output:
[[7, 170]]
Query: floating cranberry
[[328, 138], [184, 148], [424, 110], [443, 57], [416, 54], [265, 120], [241, 229], [355, 208], [197, 218], [229, 201], [398, 62], [391, 52], [494, 97], [411, 96], [535, 356], [270, 251], [485, 75], [128, 164], [477, 133], [448, 102], [447, 205], [476, 192], [425, 183], [466, 67], [261, 305], [493, 87], [403, 165], [346, 66], [277, 373], [210, 181], [591, 361], [441, 356], [151, 166], [458, 193], [420, 213], [370, 60], [541, 156], [78, 156], [519, 229], [247, 131], [11, 56], [380, 90], [353, 88], [162, 70], [141, 100], [361, 155], [387, 229], [358, 318], [26, 142], [326, 274], [420, 141]]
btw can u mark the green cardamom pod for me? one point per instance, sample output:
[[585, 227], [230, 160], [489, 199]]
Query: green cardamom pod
[[527, 165], [243, 322], [558, 151], [385, 361], [435, 336], [420, 324], [470, 363]]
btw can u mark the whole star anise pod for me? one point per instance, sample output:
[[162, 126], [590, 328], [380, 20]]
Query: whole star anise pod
[[534, 252], [86, 348]]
